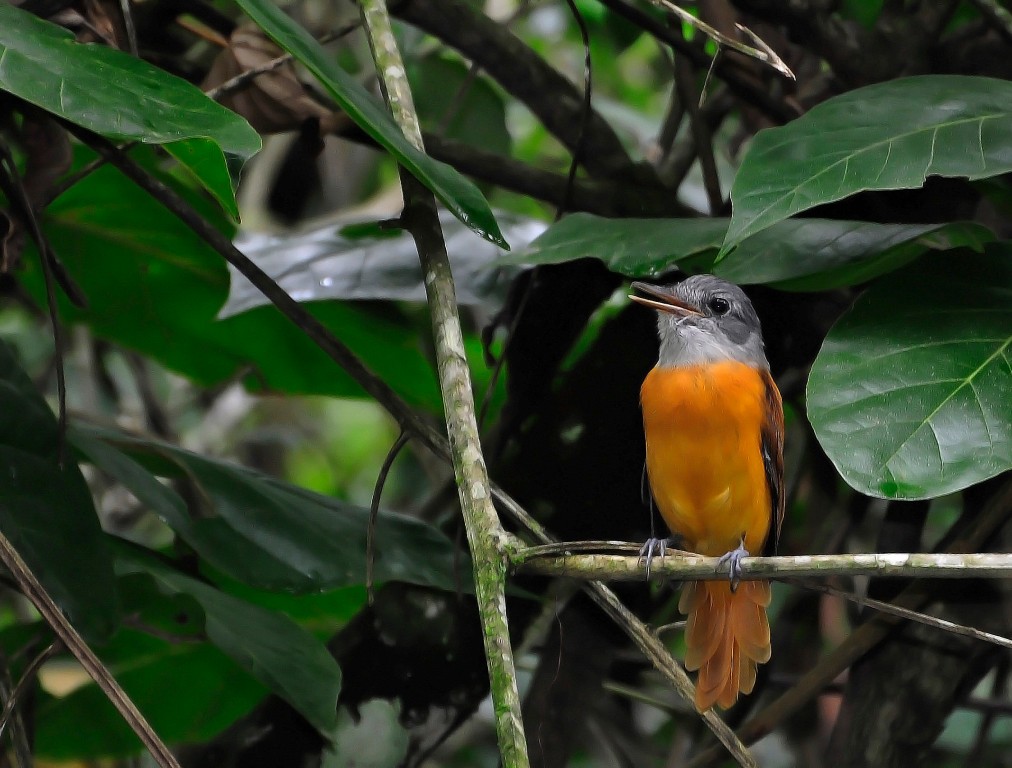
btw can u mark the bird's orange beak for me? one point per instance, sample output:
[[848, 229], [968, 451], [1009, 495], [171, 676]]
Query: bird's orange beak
[[661, 300]]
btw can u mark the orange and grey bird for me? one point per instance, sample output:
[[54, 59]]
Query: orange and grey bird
[[714, 427]]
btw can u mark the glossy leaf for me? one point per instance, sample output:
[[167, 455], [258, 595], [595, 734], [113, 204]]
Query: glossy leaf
[[266, 644], [188, 691], [891, 135], [264, 532], [362, 262], [46, 511], [800, 254], [457, 193], [119, 96], [911, 394], [134, 261], [205, 163]]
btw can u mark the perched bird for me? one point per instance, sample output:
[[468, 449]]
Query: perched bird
[[714, 427]]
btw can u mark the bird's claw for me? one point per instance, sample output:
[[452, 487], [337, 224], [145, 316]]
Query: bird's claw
[[653, 547], [733, 561]]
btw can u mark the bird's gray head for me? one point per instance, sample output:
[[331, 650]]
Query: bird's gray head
[[704, 319]]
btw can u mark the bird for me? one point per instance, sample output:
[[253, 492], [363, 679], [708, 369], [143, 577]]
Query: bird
[[713, 424]]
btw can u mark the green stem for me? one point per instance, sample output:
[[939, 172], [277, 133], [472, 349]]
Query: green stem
[[485, 535]]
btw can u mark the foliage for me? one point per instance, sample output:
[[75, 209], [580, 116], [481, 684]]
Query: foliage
[[165, 520]]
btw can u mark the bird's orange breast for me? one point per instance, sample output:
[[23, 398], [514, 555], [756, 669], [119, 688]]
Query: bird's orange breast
[[704, 456]]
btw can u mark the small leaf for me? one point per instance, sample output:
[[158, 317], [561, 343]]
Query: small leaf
[[205, 162], [264, 532], [46, 511], [458, 194], [267, 644], [910, 395], [891, 135], [115, 94]]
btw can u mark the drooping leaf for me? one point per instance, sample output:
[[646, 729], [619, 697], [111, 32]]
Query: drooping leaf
[[188, 691], [136, 264], [911, 394], [360, 263], [457, 193], [799, 254], [46, 511], [890, 135], [266, 644], [264, 532], [202, 160], [118, 95]]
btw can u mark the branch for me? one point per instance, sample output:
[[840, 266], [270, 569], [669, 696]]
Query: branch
[[555, 100], [485, 535], [762, 52], [36, 593], [697, 567]]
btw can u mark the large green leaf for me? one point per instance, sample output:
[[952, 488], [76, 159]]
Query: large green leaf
[[188, 691], [266, 644], [155, 286], [911, 394], [46, 510], [264, 532], [800, 254], [457, 193], [891, 135], [121, 97]]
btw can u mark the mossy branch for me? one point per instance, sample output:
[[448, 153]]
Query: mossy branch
[[548, 561], [485, 535]]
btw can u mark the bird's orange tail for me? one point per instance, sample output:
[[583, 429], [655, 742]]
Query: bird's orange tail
[[727, 635]]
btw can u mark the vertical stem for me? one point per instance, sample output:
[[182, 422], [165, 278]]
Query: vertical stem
[[485, 535]]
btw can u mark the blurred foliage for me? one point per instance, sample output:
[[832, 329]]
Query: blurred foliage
[[203, 521]]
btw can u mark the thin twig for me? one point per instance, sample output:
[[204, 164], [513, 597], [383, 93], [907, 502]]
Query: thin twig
[[245, 77], [762, 52], [585, 109], [906, 613], [10, 181], [686, 82], [377, 494], [996, 15], [26, 679], [36, 593], [131, 30]]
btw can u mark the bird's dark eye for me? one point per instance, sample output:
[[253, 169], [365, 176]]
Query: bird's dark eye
[[719, 306]]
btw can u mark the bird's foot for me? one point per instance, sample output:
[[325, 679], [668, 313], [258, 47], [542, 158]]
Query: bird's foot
[[733, 561], [653, 547]]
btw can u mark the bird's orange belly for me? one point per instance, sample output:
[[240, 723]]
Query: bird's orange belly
[[704, 458]]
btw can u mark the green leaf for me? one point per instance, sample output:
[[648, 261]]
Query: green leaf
[[189, 692], [119, 96], [820, 254], [632, 247], [359, 264], [205, 162], [264, 532], [458, 194], [799, 254], [910, 395], [268, 645], [46, 511], [134, 261], [891, 135]]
